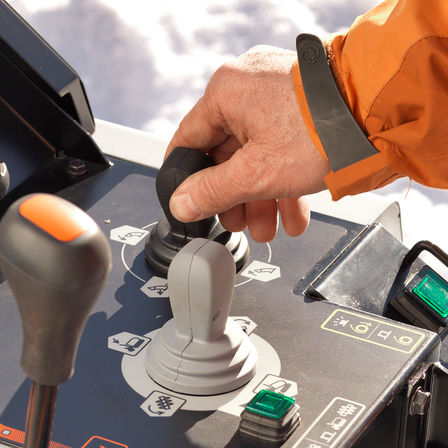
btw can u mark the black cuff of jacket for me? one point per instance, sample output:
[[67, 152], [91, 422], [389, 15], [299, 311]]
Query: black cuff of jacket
[[342, 139]]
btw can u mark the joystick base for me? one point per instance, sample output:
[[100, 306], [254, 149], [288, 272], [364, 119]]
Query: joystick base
[[162, 245], [201, 368]]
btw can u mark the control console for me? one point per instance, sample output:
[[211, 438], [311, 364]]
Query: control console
[[205, 338]]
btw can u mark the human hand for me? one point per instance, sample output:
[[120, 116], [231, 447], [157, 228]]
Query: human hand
[[249, 122]]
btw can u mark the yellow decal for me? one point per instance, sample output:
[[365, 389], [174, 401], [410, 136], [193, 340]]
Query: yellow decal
[[374, 331]]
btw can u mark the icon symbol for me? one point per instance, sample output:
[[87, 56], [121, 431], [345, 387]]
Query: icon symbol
[[159, 289], [327, 436], [246, 324], [131, 235], [274, 383], [160, 404], [404, 340], [340, 321], [347, 409], [361, 328], [155, 288], [384, 334], [279, 386], [128, 343], [337, 423], [164, 403], [264, 272], [128, 235], [6, 432]]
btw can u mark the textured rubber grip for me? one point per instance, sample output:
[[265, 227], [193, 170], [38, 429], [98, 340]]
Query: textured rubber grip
[[180, 164]]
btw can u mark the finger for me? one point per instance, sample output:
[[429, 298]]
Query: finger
[[201, 128], [234, 220], [225, 150], [217, 189], [262, 220], [295, 215]]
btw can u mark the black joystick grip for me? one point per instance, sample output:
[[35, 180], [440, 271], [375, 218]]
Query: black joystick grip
[[170, 235], [55, 260], [180, 164]]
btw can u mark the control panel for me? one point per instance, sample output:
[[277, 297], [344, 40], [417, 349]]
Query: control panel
[[199, 337], [340, 364]]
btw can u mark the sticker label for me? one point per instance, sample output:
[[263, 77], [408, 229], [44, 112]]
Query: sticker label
[[128, 343], [276, 384], [330, 426], [246, 324], [128, 235], [373, 331], [264, 272], [156, 287], [161, 404]]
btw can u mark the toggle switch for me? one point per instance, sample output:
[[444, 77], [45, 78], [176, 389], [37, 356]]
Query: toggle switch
[[269, 419]]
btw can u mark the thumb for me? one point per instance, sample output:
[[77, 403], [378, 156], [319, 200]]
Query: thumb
[[213, 190]]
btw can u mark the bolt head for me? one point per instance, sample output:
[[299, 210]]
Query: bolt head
[[77, 167]]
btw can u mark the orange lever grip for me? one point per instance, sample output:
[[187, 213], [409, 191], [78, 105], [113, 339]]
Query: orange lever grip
[[62, 220]]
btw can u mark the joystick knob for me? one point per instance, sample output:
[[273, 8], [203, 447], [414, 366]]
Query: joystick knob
[[170, 235], [201, 351], [55, 260]]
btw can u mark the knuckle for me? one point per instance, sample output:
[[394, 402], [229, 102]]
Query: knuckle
[[222, 74], [246, 176], [255, 175], [259, 49], [257, 55], [224, 85]]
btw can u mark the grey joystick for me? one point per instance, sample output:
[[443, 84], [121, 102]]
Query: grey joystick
[[170, 235], [201, 351]]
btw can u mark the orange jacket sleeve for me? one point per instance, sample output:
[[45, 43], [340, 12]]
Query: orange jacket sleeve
[[391, 68]]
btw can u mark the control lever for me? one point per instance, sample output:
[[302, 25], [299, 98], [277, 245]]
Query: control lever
[[201, 351], [55, 260], [170, 235]]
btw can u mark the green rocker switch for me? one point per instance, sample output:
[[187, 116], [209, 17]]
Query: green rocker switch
[[422, 298]]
